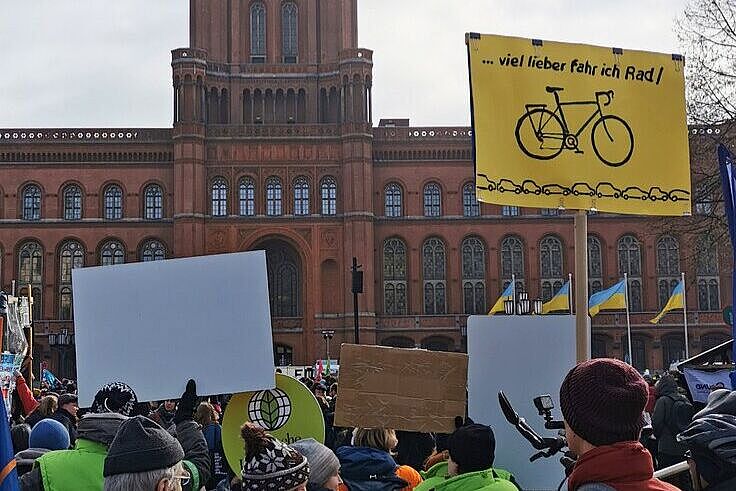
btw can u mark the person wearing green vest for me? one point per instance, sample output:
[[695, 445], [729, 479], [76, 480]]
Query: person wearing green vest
[[81, 469], [470, 465]]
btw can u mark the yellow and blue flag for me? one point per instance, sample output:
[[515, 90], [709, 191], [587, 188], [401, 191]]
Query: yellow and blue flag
[[676, 301], [561, 301], [8, 472], [508, 294], [612, 299]]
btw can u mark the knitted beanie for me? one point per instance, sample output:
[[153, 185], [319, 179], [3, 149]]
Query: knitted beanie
[[472, 448], [323, 463], [49, 434], [269, 463], [603, 400], [141, 445], [116, 397]]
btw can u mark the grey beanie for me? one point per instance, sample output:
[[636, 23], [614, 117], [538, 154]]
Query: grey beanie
[[141, 445], [323, 463]]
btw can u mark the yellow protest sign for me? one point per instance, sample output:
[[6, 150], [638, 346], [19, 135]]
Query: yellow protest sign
[[558, 125]]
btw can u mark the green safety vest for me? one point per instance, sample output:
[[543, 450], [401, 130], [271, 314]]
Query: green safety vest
[[74, 470], [489, 480]]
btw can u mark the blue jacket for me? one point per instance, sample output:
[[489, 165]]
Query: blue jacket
[[368, 469]]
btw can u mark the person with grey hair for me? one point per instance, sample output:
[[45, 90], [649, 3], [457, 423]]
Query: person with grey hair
[[145, 457]]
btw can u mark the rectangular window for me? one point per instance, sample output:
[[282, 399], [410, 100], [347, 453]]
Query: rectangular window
[[510, 211]]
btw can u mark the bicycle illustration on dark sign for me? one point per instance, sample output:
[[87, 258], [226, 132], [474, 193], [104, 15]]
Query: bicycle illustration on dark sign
[[543, 133]]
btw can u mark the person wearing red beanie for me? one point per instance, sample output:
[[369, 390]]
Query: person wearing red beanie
[[602, 403]]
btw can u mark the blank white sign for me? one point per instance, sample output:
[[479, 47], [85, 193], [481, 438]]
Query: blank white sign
[[155, 325], [524, 356]]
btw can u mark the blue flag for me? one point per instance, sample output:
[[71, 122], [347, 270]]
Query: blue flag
[[8, 473], [49, 378], [728, 179]]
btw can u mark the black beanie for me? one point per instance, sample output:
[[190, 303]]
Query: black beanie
[[141, 445], [472, 448]]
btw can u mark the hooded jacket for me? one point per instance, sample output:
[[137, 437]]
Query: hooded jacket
[[69, 421], [488, 480], [25, 459], [625, 466], [368, 469], [667, 394], [439, 472]]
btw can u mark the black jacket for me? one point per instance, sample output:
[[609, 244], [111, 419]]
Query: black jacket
[[667, 394], [70, 423]]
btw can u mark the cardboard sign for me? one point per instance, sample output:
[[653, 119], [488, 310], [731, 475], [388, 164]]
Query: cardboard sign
[[403, 389], [155, 325], [525, 356], [702, 383], [290, 412]]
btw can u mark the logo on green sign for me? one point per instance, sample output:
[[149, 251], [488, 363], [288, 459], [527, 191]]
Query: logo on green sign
[[270, 409]]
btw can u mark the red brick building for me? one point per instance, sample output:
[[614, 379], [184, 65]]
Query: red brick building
[[273, 146]]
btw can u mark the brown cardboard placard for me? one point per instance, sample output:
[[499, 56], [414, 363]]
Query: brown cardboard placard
[[403, 389]]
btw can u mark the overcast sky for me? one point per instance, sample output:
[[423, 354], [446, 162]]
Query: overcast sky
[[107, 63]]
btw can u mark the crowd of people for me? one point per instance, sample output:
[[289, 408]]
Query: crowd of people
[[120, 443]]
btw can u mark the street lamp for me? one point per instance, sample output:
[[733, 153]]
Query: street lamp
[[327, 336], [523, 305]]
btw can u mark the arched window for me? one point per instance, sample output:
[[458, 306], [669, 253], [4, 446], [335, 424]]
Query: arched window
[[392, 200], [474, 275], [394, 277], [283, 280], [433, 268], [219, 197], [673, 350], [668, 268], [595, 265], [629, 261], [112, 252], [283, 355], [273, 196], [113, 202], [512, 262], [329, 195], [638, 351], [30, 272], [154, 202], [438, 343], [258, 33], [72, 202], [471, 207], [301, 196], [398, 342], [31, 202], [247, 195], [550, 265], [71, 256], [432, 200], [289, 33], [709, 291], [153, 250]]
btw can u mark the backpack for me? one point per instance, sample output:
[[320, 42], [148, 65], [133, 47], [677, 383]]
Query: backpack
[[681, 415]]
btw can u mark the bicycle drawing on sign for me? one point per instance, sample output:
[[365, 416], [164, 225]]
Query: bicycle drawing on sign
[[543, 133]]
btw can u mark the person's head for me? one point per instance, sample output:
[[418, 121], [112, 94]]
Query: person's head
[[206, 414], [471, 448], [324, 467], [68, 402], [145, 457], [320, 390], [378, 438], [116, 397], [49, 434], [170, 405], [602, 403], [271, 464], [20, 434], [333, 390], [666, 385], [414, 448]]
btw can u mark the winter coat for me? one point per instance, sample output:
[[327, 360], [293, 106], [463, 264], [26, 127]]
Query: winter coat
[[26, 396], [625, 466], [662, 417], [219, 468], [488, 480], [368, 469], [439, 472], [25, 459], [729, 485], [69, 421], [651, 400], [34, 418]]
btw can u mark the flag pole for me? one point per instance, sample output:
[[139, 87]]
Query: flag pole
[[570, 292], [628, 318], [513, 291], [684, 312], [582, 321]]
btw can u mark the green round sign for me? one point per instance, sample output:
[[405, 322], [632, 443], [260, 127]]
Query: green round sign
[[728, 315], [290, 412]]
